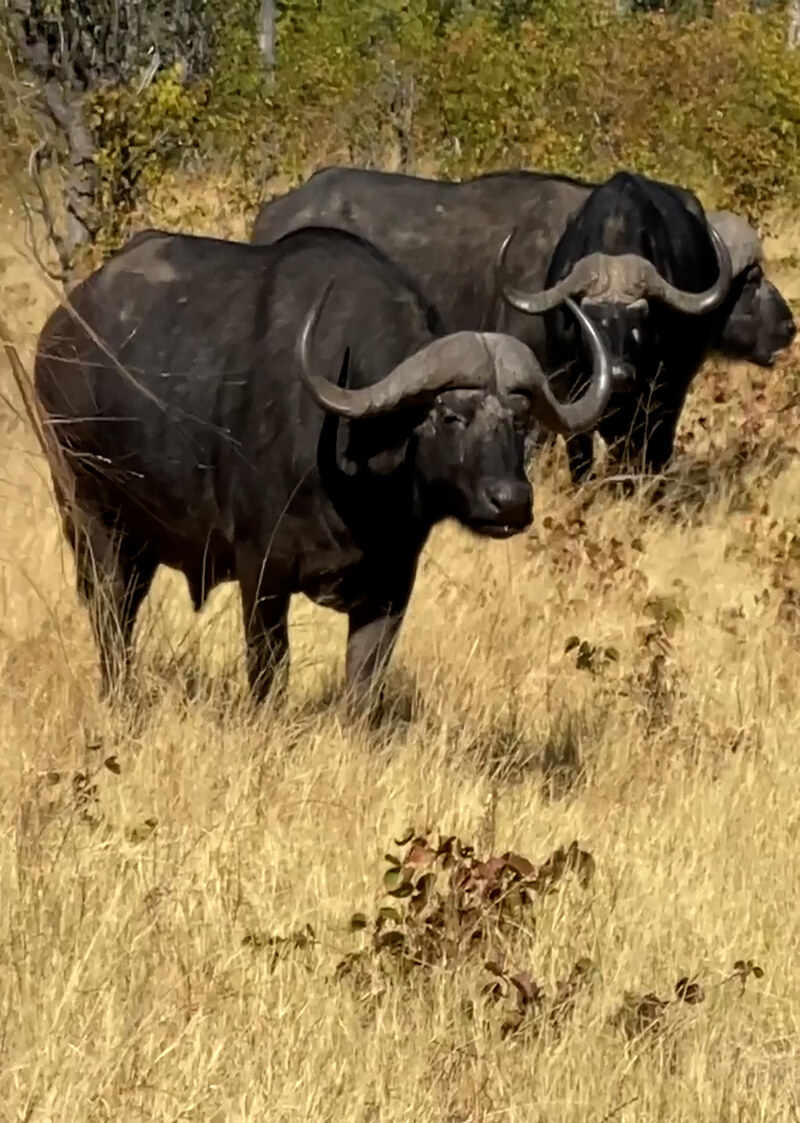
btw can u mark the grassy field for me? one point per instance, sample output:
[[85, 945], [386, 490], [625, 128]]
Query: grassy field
[[146, 860]]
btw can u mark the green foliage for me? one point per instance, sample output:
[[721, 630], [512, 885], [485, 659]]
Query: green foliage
[[137, 134], [561, 85]]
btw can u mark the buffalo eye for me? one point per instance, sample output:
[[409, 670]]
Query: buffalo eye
[[637, 335]]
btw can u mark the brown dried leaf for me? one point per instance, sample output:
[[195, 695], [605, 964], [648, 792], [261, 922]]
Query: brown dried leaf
[[494, 991], [584, 868], [519, 864], [393, 941], [639, 1014], [420, 854], [689, 991], [529, 990], [490, 871], [512, 1023]]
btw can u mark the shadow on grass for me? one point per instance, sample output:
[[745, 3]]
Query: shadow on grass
[[509, 755], [694, 485]]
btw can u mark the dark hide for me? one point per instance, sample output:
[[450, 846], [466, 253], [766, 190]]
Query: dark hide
[[192, 443], [660, 348], [448, 235]]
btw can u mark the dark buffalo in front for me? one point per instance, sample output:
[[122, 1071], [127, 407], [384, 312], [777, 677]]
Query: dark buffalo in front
[[667, 286], [290, 416]]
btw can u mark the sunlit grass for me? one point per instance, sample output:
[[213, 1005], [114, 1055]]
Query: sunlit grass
[[140, 851]]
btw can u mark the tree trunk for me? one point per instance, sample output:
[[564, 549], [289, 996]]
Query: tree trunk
[[793, 33], [266, 34]]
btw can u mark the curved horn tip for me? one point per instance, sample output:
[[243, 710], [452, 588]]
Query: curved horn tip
[[698, 303], [587, 411], [504, 247]]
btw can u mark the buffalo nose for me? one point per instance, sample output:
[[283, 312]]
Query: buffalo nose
[[510, 501], [623, 374]]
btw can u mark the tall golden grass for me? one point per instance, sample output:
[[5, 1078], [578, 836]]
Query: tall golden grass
[[128, 986]]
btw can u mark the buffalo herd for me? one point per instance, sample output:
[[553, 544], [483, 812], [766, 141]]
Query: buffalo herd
[[297, 412]]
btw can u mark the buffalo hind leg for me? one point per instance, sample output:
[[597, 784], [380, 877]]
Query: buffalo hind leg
[[113, 578], [265, 592]]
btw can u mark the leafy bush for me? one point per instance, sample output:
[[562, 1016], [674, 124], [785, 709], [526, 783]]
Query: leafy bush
[[138, 133], [564, 86], [461, 87], [451, 909]]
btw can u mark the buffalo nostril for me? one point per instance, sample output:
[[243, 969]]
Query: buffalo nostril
[[509, 500]]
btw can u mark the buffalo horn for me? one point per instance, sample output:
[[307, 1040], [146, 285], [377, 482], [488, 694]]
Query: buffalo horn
[[742, 239], [586, 272], [465, 360]]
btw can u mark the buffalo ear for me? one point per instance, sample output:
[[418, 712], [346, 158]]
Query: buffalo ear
[[380, 445], [388, 460]]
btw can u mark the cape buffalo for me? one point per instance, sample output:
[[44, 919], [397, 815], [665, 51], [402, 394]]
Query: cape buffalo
[[192, 423], [639, 255], [757, 323]]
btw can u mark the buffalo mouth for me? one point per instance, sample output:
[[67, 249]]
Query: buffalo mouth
[[489, 529], [768, 359]]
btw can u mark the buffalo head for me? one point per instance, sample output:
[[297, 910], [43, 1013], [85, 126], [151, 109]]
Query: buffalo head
[[616, 292], [470, 398], [757, 321]]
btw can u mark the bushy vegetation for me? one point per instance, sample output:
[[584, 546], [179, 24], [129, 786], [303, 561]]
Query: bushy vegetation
[[459, 88]]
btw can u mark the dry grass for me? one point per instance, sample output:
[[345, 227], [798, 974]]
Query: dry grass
[[128, 987]]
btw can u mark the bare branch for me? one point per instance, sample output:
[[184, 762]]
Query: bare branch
[[45, 212]]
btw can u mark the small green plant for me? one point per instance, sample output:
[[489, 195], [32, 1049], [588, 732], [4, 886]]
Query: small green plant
[[450, 907], [643, 1016], [526, 1004]]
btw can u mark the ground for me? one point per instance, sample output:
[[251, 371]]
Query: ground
[[147, 859]]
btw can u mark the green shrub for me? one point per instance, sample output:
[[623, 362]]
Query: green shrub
[[138, 134], [468, 86]]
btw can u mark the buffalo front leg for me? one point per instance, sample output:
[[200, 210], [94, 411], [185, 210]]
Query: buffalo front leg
[[265, 592], [648, 447], [661, 442], [580, 452], [114, 575], [372, 635]]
